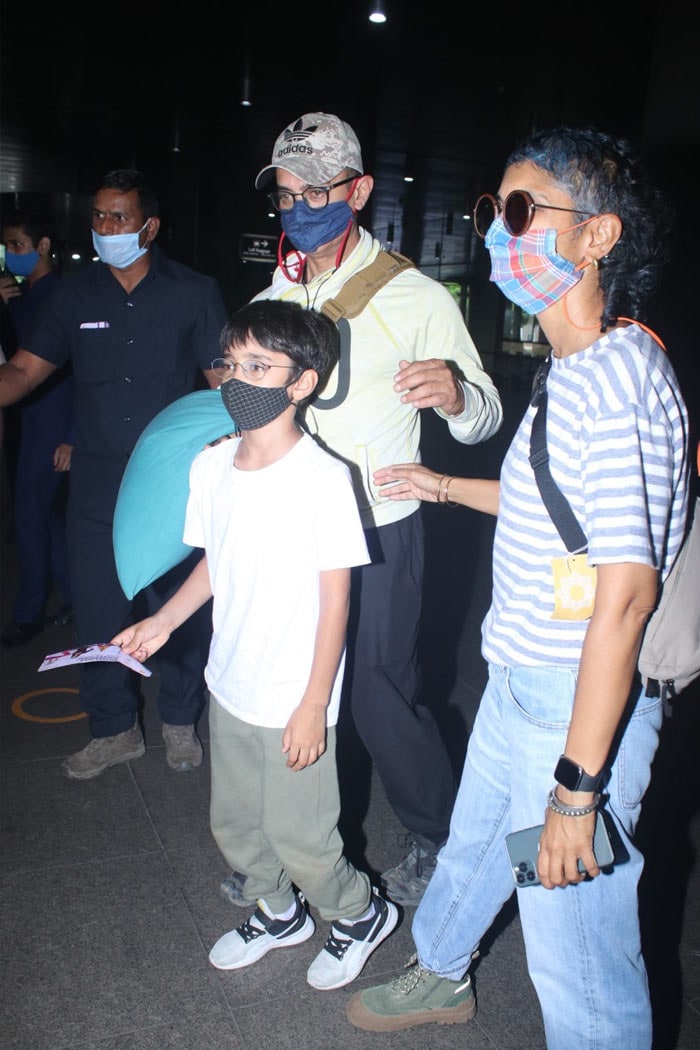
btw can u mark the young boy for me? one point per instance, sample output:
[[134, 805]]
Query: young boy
[[277, 518]]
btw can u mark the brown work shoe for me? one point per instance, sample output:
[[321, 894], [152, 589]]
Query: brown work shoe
[[103, 752], [183, 750]]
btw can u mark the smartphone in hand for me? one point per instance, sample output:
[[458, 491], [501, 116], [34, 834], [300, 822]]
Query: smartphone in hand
[[523, 845]]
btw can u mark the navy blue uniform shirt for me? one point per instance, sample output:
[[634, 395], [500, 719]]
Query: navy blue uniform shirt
[[51, 404], [132, 354]]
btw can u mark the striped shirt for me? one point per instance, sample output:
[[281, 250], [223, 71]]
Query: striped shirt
[[617, 436]]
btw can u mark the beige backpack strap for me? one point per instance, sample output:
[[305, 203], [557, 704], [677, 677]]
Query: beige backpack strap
[[357, 292]]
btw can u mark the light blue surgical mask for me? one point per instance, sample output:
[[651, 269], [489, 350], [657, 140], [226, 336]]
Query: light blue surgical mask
[[21, 265], [119, 249]]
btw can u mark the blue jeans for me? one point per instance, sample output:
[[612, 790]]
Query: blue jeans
[[582, 942]]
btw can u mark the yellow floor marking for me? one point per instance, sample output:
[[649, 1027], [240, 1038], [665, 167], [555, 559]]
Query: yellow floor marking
[[18, 707]]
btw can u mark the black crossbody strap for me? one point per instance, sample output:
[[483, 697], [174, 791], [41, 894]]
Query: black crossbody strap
[[555, 501]]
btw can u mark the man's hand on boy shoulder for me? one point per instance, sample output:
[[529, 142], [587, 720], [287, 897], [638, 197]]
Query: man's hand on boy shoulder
[[304, 738]]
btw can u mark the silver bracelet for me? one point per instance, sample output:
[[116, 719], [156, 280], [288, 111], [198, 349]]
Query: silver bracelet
[[565, 810]]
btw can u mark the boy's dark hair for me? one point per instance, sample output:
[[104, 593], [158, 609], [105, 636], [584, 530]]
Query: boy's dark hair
[[309, 338], [35, 223], [601, 174], [128, 179]]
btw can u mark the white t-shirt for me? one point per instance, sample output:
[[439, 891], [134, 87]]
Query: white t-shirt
[[267, 535]]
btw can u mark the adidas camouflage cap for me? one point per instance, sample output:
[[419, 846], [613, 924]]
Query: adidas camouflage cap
[[315, 148]]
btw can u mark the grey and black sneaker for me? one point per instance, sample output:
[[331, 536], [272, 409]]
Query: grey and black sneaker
[[349, 946], [232, 889], [406, 882], [259, 934], [415, 997]]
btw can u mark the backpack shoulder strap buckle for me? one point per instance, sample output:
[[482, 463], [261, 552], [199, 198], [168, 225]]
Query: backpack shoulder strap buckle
[[359, 289]]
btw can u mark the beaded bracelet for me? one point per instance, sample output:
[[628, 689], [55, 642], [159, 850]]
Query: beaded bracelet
[[564, 810]]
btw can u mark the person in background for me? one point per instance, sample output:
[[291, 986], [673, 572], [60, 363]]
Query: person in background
[[45, 439], [564, 733], [140, 331], [407, 350], [277, 518]]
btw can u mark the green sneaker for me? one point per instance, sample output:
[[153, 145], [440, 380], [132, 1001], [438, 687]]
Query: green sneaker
[[416, 997]]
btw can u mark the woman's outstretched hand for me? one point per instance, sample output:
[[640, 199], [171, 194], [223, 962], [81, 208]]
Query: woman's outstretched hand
[[408, 481], [414, 481]]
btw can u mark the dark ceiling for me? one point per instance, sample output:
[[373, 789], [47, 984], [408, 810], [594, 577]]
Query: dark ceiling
[[445, 88], [105, 80], [91, 87]]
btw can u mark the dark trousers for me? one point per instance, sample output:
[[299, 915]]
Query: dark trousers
[[40, 527], [40, 503], [109, 692], [383, 680]]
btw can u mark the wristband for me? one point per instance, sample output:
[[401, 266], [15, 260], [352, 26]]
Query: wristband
[[565, 810]]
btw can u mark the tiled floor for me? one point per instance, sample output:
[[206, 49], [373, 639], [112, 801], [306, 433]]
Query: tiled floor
[[109, 898]]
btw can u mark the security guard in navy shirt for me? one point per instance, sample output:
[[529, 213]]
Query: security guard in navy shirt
[[45, 444], [140, 331]]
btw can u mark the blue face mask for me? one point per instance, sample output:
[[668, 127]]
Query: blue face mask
[[309, 228], [120, 249], [21, 265]]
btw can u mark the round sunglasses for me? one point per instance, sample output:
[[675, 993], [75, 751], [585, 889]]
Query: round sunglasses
[[518, 211]]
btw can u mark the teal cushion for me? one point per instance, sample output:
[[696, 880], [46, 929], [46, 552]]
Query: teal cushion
[[149, 517]]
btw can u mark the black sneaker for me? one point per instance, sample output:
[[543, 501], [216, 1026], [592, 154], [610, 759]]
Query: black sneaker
[[63, 617], [20, 633]]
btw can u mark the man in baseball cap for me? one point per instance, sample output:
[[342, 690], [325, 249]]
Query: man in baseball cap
[[314, 148], [407, 349], [320, 187]]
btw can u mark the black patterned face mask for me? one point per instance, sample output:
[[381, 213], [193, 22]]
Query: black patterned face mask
[[252, 407]]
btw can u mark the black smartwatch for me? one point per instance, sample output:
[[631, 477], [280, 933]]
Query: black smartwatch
[[575, 778]]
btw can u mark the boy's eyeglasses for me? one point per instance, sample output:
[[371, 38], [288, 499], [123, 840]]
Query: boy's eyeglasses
[[518, 211], [225, 368], [315, 196]]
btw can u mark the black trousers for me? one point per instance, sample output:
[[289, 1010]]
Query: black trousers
[[383, 682], [109, 693]]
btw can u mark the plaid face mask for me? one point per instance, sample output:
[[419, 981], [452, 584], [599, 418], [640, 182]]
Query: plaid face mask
[[528, 269]]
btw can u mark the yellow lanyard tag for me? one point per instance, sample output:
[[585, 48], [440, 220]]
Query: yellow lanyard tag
[[574, 587]]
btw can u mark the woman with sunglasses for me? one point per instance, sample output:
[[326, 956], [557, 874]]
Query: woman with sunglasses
[[564, 732]]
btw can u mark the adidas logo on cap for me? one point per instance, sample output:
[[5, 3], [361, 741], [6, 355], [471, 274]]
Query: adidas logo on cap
[[315, 148]]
